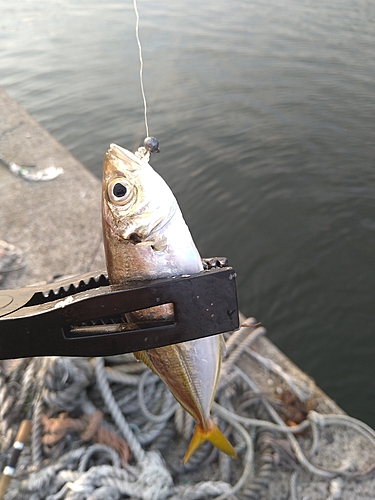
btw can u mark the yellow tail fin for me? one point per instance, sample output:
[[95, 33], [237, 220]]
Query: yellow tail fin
[[214, 436]]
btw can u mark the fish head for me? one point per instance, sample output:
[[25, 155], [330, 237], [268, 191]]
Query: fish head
[[136, 200], [137, 204]]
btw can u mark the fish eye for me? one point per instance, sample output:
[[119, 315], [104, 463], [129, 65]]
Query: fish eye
[[119, 191]]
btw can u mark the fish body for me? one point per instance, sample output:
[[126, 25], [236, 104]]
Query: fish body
[[146, 237]]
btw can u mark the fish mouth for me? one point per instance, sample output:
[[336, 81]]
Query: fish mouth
[[123, 154]]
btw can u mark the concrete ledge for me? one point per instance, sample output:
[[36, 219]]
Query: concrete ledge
[[56, 224]]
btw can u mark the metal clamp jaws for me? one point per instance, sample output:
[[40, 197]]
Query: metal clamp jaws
[[86, 317]]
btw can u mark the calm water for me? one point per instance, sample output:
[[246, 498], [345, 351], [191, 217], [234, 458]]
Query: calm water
[[265, 112]]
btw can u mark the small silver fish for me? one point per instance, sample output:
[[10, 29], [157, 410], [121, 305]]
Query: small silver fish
[[146, 237]]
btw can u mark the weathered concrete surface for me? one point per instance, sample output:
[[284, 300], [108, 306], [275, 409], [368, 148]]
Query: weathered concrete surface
[[57, 226]]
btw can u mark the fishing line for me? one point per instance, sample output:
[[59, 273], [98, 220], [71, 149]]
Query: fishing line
[[151, 144], [141, 63]]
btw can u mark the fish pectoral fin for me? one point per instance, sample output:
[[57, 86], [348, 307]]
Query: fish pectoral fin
[[214, 436]]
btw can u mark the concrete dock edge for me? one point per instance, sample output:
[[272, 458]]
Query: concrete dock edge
[[55, 224]]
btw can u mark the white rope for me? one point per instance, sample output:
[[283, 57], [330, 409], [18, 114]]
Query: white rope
[[248, 471], [36, 433], [145, 414], [238, 351], [118, 417], [167, 412], [293, 441], [343, 420], [298, 387], [335, 489], [293, 486], [201, 490]]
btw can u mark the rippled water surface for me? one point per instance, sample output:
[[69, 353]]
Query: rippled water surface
[[265, 112]]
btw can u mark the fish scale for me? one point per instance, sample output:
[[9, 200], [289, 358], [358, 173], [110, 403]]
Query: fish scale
[[186, 388]]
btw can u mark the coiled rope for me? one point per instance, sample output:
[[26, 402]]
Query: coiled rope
[[78, 452]]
